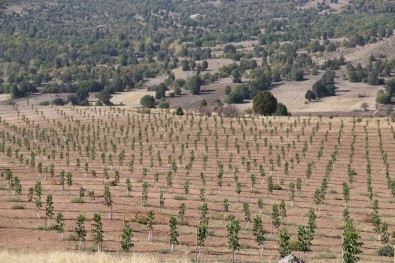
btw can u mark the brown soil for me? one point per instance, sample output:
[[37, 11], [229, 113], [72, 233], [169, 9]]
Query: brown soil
[[165, 130]]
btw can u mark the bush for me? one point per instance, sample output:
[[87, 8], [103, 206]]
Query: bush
[[382, 97], [141, 219], [163, 104], [281, 110], [294, 245], [58, 102], [228, 90], [386, 251], [179, 111], [310, 95], [147, 101], [45, 103]]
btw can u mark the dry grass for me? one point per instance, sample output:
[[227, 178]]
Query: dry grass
[[74, 257]]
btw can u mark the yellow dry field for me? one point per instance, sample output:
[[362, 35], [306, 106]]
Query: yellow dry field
[[349, 96], [130, 98], [335, 6], [4, 97], [73, 257], [213, 67], [359, 54]]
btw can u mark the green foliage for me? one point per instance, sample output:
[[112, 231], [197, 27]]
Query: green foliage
[[163, 104], [283, 243], [264, 103], [173, 232], [97, 230], [233, 228], [382, 97], [147, 101], [126, 237], [386, 251], [351, 245], [179, 111], [80, 229]]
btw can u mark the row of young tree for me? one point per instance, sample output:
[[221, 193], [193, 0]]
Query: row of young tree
[[142, 135]]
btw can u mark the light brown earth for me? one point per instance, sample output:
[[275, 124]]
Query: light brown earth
[[18, 230]]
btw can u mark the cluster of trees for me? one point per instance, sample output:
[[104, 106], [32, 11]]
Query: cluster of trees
[[56, 56], [384, 96], [375, 69], [323, 87]]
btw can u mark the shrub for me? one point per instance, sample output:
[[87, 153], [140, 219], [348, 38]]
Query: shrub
[[179, 111], [386, 251], [382, 97], [147, 101], [281, 110], [294, 245], [228, 90], [45, 103], [17, 207], [58, 102], [310, 95], [141, 219], [163, 104]]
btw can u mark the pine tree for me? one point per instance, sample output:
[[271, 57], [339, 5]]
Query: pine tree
[[150, 224], [283, 243], [126, 237], [80, 230], [60, 225], [173, 232], [49, 209], [258, 232], [233, 229], [108, 200], [97, 229]]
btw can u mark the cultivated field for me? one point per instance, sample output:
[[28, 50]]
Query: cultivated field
[[193, 160]]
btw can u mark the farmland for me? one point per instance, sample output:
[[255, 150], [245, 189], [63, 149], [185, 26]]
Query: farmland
[[197, 161]]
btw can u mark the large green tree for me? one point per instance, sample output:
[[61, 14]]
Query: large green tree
[[264, 103]]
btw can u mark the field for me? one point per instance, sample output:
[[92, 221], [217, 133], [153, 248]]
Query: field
[[181, 157]]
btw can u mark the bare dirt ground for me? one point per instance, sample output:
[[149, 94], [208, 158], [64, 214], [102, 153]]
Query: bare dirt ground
[[359, 54], [20, 229], [335, 6]]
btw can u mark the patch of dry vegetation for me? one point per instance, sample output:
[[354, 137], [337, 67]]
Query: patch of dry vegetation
[[73, 257]]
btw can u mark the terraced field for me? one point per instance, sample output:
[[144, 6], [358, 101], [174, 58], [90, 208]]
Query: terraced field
[[194, 160]]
